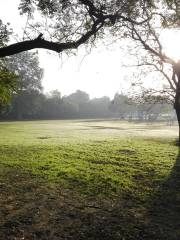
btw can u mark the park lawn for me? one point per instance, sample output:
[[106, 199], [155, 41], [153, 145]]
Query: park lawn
[[89, 179]]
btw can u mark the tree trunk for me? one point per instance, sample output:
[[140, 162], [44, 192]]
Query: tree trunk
[[177, 107], [176, 72]]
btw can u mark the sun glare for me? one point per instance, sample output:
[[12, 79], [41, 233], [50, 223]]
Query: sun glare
[[171, 43]]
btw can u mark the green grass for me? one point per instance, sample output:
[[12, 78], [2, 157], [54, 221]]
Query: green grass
[[89, 180]]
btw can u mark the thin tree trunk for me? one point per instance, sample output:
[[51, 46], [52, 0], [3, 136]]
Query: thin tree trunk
[[177, 109], [178, 119], [177, 96]]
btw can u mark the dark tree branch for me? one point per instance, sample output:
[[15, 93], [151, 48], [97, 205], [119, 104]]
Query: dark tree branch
[[39, 42]]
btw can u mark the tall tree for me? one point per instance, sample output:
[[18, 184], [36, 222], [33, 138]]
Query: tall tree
[[26, 67], [152, 54]]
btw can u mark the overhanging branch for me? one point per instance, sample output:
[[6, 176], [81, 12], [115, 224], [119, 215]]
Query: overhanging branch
[[39, 42]]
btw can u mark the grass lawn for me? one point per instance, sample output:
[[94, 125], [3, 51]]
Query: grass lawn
[[89, 179]]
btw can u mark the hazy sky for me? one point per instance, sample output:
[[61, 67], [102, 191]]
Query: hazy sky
[[99, 73]]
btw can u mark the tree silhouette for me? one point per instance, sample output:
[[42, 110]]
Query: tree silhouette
[[66, 25], [148, 37]]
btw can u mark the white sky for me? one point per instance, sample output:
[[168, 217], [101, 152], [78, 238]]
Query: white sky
[[99, 74]]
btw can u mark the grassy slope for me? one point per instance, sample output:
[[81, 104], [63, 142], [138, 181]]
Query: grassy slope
[[88, 180]]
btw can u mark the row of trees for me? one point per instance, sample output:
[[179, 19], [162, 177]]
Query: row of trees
[[33, 104]]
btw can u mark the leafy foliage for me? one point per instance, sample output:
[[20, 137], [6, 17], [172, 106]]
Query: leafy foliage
[[19, 74], [66, 20], [26, 66], [8, 85]]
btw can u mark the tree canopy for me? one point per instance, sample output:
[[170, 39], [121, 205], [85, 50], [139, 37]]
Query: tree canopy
[[60, 25], [26, 66]]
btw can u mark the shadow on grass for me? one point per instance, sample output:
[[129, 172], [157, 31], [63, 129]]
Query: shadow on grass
[[164, 214], [124, 128], [98, 120], [156, 219], [105, 127]]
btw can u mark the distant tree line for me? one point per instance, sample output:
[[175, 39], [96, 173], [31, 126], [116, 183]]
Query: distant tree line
[[34, 104], [27, 101]]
